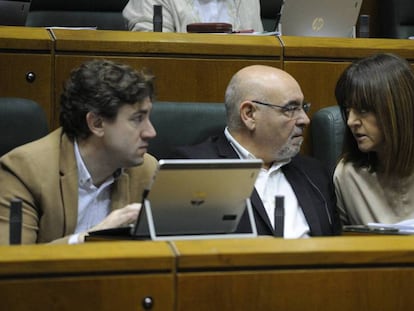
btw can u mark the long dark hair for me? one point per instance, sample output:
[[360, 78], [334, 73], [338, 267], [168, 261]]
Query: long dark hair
[[384, 85]]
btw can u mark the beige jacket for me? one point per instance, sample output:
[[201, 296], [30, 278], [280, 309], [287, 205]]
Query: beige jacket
[[44, 175], [245, 14], [362, 198]]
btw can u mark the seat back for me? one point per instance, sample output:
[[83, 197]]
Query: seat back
[[104, 14], [21, 121], [270, 13], [327, 132], [397, 18], [184, 123]]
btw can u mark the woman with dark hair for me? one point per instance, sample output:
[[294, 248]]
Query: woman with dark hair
[[374, 180]]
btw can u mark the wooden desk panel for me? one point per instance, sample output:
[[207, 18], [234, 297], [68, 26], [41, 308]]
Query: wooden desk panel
[[324, 48], [124, 291], [104, 257], [177, 79], [92, 276], [25, 38], [297, 289], [262, 252], [188, 67], [14, 82], [136, 43], [327, 273], [317, 80], [330, 273], [26, 50]]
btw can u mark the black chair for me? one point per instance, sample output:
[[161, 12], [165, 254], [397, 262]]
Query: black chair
[[327, 132], [397, 18], [270, 13], [103, 14], [21, 121], [184, 123]]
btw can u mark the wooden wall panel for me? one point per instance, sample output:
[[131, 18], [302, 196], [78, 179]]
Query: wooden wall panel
[[345, 289], [177, 79], [101, 292], [317, 80], [26, 50], [14, 83]]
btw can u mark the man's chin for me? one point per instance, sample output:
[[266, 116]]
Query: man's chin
[[136, 162], [289, 153]]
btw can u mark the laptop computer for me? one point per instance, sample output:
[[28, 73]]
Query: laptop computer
[[196, 199], [14, 13], [319, 18]]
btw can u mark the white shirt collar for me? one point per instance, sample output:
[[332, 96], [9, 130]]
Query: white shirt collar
[[243, 153], [84, 177]]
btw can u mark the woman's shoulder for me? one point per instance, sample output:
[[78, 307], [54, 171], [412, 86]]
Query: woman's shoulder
[[346, 170]]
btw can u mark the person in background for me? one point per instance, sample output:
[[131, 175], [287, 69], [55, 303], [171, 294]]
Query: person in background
[[90, 173], [266, 119], [374, 180], [177, 14]]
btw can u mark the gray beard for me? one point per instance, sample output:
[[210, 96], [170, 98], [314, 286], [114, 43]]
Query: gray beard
[[287, 151]]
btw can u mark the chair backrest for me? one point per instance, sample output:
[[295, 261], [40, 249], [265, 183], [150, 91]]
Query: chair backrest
[[270, 13], [21, 121], [397, 18], [327, 132], [104, 14], [184, 123]]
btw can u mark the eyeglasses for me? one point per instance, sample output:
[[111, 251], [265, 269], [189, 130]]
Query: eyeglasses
[[291, 110]]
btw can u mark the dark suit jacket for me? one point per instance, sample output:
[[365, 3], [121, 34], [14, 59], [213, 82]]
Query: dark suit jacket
[[309, 179]]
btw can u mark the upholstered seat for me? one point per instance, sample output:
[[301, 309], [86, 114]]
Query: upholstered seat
[[327, 131], [184, 123], [21, 121], [103, 14]]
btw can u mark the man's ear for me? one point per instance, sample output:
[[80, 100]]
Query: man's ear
[[95, 123], [247, 114]]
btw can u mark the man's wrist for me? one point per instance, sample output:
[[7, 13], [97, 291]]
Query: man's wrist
[[77, 238]]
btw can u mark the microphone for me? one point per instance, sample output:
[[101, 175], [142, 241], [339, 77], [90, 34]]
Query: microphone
[[157, 18], [15, 227], [364, 26], [279, 215]]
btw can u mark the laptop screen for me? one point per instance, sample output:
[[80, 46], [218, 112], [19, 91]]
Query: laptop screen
[[320, 18], [200, 197], [14, 13]]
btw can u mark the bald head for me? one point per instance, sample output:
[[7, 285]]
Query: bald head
[[257, 82]]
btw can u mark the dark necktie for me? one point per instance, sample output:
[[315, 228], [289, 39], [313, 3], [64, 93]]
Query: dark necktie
[[279, 215]]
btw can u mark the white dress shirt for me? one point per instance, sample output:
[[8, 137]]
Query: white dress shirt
[[271, 183], [93, 202]]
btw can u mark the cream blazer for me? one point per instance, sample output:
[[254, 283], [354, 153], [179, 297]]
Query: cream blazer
[[362, 198], [44, 175]]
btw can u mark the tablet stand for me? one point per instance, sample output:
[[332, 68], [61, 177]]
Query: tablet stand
[[158, 237]]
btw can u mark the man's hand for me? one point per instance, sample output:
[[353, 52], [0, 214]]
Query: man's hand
[[123, 216]]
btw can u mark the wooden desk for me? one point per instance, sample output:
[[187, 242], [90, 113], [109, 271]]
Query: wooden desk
[[188, 67], [97, 276], [340, 273], [26, 50], [266, 273]]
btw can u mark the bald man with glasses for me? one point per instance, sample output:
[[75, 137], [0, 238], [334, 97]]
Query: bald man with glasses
[[266, 118]]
